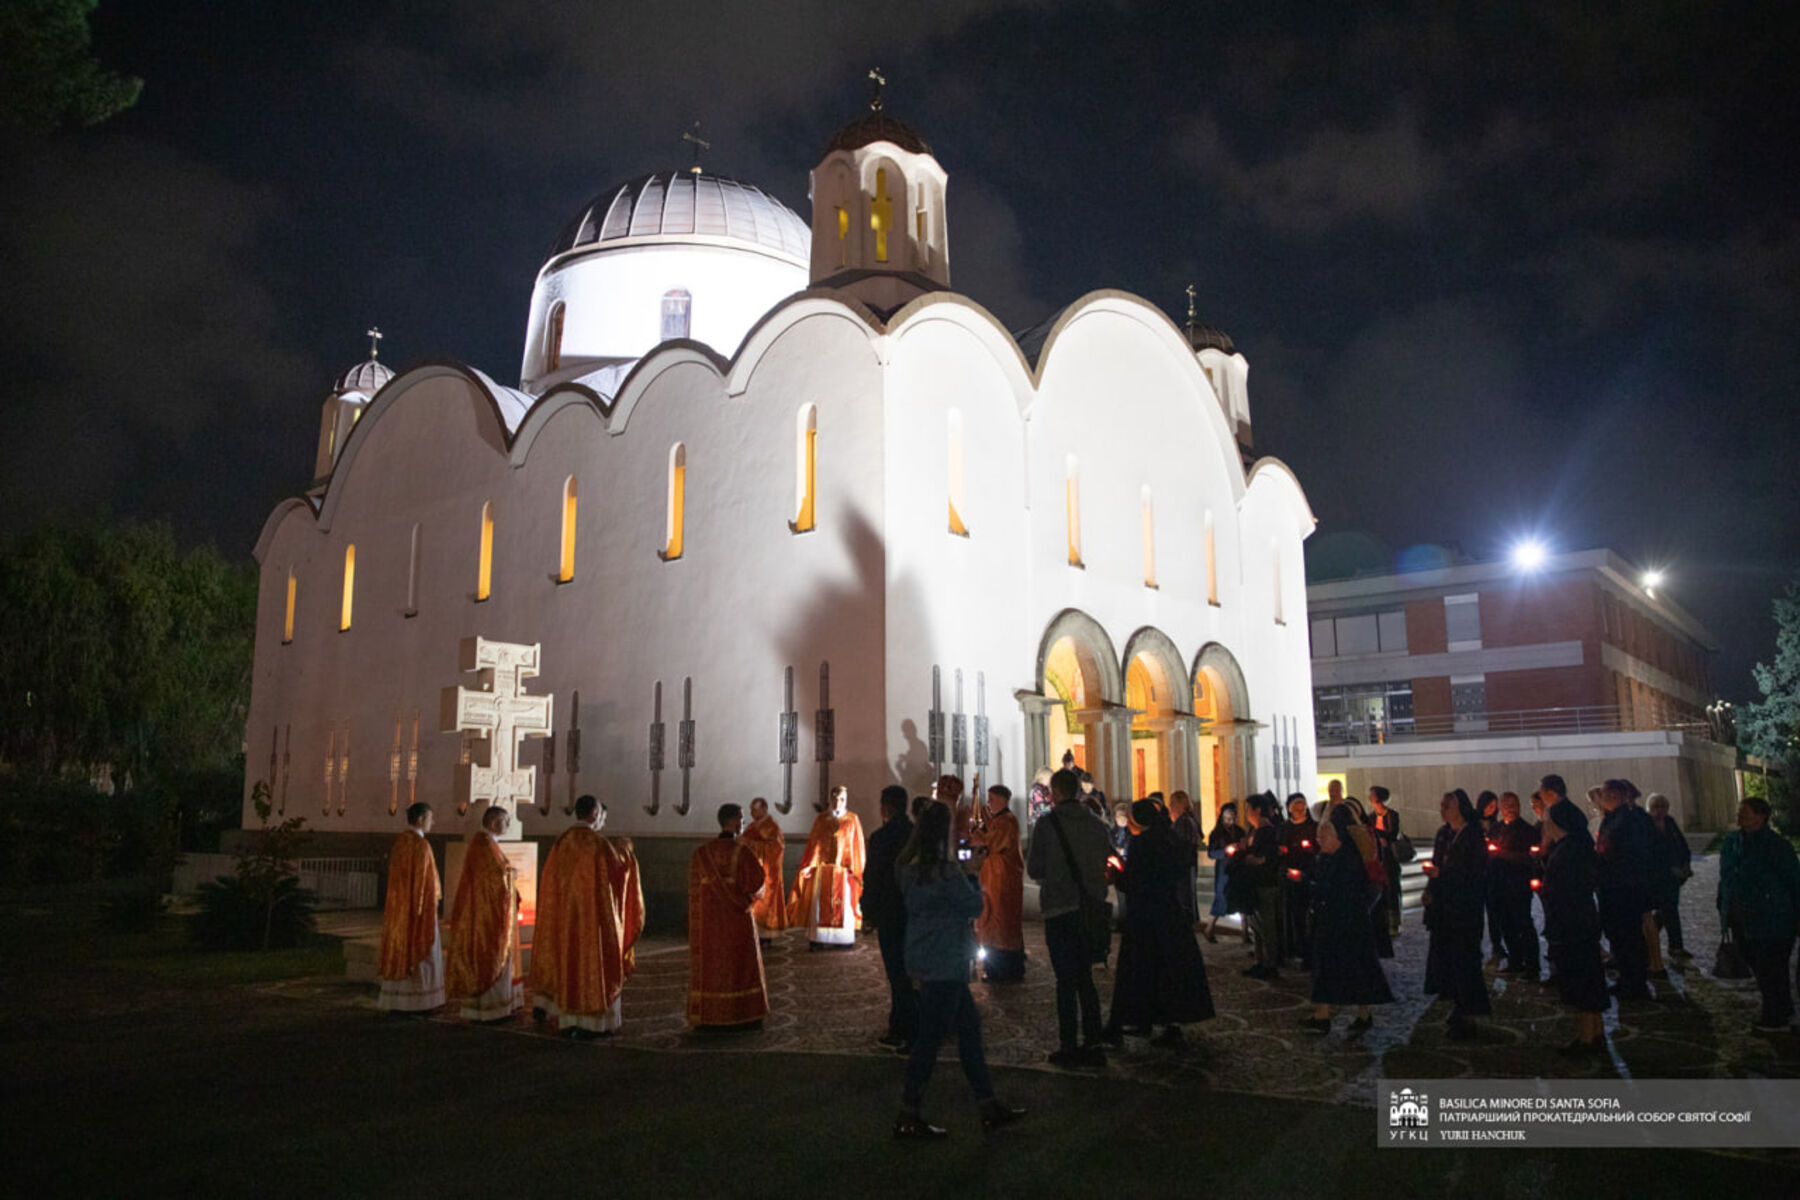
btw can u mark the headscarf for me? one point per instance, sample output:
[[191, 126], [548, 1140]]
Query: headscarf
[[1568, 818], [1220, 831], [1351, 829]]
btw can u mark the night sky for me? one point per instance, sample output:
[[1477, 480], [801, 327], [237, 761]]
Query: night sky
[[1497, 268]]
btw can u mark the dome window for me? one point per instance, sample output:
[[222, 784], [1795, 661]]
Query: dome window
[[553, 336], [677, 313], [881, 214]]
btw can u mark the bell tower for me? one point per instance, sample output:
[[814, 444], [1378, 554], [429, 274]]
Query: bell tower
[[878, 226]]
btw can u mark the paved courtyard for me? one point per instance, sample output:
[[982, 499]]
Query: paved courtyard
[[836, 1002]]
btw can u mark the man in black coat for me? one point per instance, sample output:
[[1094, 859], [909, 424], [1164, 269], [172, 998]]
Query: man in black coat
[[1623, 848], [1509, 881], [885, 908]]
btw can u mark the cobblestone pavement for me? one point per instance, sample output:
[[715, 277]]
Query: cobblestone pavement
[[836, 1003]]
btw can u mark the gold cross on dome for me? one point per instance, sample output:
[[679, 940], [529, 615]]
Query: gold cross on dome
[[880, 81], [700, 143], [1190, 296], [374, 336]]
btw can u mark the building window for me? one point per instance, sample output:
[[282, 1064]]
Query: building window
[[553, 337], [412, 573], [1462, 621], [571, 503], [806, 469], [1147, 515], [1212, 563], [1468, 703], [349, 587], [881, 212], [1072, 505], [1366, 633], [955, 469], [287, 625], [677, 310], [677, 502], [484, 567]]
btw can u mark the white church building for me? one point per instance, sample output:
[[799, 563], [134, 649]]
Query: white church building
[[782, 510]]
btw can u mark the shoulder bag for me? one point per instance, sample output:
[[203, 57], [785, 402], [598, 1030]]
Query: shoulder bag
[[1096, 915]]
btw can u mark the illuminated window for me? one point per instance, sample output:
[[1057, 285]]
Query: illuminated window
[[349, 587], [484, 567], [571, 501], [1148, 510], [553, 336], [919, 230], [843, 216], [287, 626], [1072, 502], [1212, 563], [677, 499], [956, 474], [806, 469], [1275, 558], [881, 213], [677, 308], [412, 575]]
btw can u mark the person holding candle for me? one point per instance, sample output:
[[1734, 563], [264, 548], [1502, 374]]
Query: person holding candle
[[1221, 844], [1455, 900], [1572, 922]]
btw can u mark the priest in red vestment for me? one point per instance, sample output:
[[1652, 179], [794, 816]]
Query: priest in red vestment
[[828, 886], [411, 966], [591, 937], [483, 969], [765, 839], [725, 971], [999, 931]]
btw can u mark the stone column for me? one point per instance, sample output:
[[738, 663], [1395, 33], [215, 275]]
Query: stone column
[[1037, 709]]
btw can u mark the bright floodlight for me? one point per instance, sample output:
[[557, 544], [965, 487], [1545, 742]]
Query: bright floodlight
[[1528, 555], [1652, 580]]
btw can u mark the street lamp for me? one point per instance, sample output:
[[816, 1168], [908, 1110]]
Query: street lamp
[[1652, 580], [1528, 555]]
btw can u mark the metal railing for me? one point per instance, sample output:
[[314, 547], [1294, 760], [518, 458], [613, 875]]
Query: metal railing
[[1581, 719], [334, 882]]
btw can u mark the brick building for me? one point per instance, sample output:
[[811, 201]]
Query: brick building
[[1485, 675]]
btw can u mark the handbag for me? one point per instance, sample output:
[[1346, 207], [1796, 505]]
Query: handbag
[[1729, 963], [1403, 848], [1095, 915]]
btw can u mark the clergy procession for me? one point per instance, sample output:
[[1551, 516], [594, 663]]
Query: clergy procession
[[942, 883]]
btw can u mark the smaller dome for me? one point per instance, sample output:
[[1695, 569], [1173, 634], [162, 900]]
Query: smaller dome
[[367, 377], [877, 126], [1205, 337]]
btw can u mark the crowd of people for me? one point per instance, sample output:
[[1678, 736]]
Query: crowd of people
[[941, 882]]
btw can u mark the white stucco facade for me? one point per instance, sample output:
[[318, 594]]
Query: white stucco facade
[[938, 557]]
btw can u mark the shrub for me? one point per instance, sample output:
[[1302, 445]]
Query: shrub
[[135, 909], [237, 916]]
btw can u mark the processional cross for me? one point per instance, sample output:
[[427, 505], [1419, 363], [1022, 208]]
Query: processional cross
[[493, 716]]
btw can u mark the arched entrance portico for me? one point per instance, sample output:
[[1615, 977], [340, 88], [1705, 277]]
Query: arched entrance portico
[[1162, 729], [1079, 706], [1228, 735]]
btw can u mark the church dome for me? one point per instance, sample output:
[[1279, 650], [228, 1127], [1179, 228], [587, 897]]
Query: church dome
[[1206, 337], [681, 206], [877, 126], [365, 377]]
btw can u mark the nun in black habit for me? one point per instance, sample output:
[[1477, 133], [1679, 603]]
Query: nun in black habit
[[1346, 969], [1160, 977], [1455, 910], [1572, 924]]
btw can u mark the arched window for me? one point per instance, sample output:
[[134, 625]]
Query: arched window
[[565, 568], [412, 574], [677, 499], [1212, 562], [1072, 503], [484, 567], [349, 587], [881, 214], [955, 465], [553, 335], [677, 311], [1147, 509], [806, 469], [1275, 559], [287, 625]]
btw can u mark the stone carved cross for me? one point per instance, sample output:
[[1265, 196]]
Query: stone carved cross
[[493, 716]]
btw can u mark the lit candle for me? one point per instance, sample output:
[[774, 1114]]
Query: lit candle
[[1537, 849], [1293, 872], [1305, 845], [1493, 848], [1537, 884]]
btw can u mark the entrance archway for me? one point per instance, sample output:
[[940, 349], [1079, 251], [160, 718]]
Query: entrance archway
[[1228, 734], [1161, 726], [1079, 701]]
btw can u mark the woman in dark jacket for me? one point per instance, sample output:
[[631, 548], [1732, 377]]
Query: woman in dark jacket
[[1226, 834], [1345, 967], [1160, 977], [1455, 908], [1253, 887], [1572, 923], [942, 902]]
